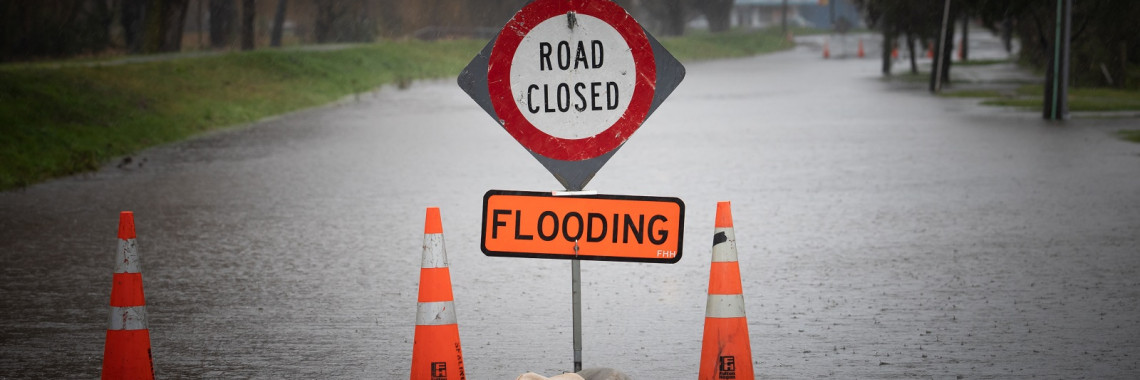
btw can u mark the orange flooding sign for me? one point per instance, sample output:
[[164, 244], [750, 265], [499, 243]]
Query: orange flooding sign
[[585, 227]]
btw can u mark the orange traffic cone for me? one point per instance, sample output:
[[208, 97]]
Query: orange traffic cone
[[930, 50], [725, 352], [436, 354], [126, 354], [895, 53], [860, 53], [826, 50]]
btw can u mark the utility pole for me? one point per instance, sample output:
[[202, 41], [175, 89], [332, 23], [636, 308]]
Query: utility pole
[[941, 55], [831, 12], [784, 19], [1057, 75]]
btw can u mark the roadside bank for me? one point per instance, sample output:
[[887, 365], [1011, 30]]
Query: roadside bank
[[61, 119]]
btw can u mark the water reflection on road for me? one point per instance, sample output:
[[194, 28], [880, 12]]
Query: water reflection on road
[[884, 233]]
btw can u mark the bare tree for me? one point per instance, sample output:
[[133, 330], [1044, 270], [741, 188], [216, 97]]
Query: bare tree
[[965, 52], [718, 13], [248, 10], [223, 17], [345, 21], [131, 18], [278, 23], [53, 28], [174, 22], [163, 21], [669, 16], [329, 12]]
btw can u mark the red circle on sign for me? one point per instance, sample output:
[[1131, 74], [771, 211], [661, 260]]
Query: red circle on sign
[[502, 98]]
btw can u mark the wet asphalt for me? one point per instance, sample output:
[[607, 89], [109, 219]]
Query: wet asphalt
[[883, 233]]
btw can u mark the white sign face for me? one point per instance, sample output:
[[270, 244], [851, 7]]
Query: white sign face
[[573, 83]]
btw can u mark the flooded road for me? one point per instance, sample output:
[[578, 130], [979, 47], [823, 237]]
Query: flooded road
[[883, 233]]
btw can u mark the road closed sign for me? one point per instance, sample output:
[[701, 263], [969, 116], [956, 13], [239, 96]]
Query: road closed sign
[[591, 227], [571, 80]]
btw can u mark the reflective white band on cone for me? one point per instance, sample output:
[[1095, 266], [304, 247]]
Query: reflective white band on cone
[[725, 306], [724, 245], [127, 259], [433, 244], [435, 313], [127, 318]]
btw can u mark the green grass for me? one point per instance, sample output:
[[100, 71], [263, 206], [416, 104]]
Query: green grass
[[972, 93], [1080, 99], [72, 119], [57, 120], [703, 45], [983, 62], [1132, 135]]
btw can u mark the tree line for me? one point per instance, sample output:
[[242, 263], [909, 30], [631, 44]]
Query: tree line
[[1105, 42], [64, 28]]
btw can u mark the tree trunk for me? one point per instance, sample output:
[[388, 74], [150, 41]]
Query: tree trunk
[[1123, 81], [199, 17], [163, 22], [1007, 34], [131, 17], [367, 26], [674, 18], [278, 24], [327, 13], [948, 53], [965, 53], [38, 29], [173, 22], [223, 17], [718, 13], [153, 31], [888, 43], [910, 50], [784, 19], [943, 54], [248, 9]]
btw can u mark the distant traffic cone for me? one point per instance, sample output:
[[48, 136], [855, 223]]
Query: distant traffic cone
[[126, 354], [436, 354], [725, 351], [826, 50], [895, 53], [860, 52], [930, 50]]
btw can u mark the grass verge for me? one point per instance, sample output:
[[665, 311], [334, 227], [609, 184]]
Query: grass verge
[[972, 94], [704, 45], [1132, 135], [62, 120], [983, 62], [1080, 99], [72, 119]]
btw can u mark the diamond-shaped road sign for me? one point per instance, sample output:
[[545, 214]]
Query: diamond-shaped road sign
[[571, 80]]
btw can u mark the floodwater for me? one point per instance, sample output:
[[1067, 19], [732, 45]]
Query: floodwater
[[882, 233]]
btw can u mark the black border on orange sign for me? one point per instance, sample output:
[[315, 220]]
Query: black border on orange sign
[[547, 194]]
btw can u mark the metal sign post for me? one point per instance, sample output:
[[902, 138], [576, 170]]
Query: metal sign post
[[570, 80]]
